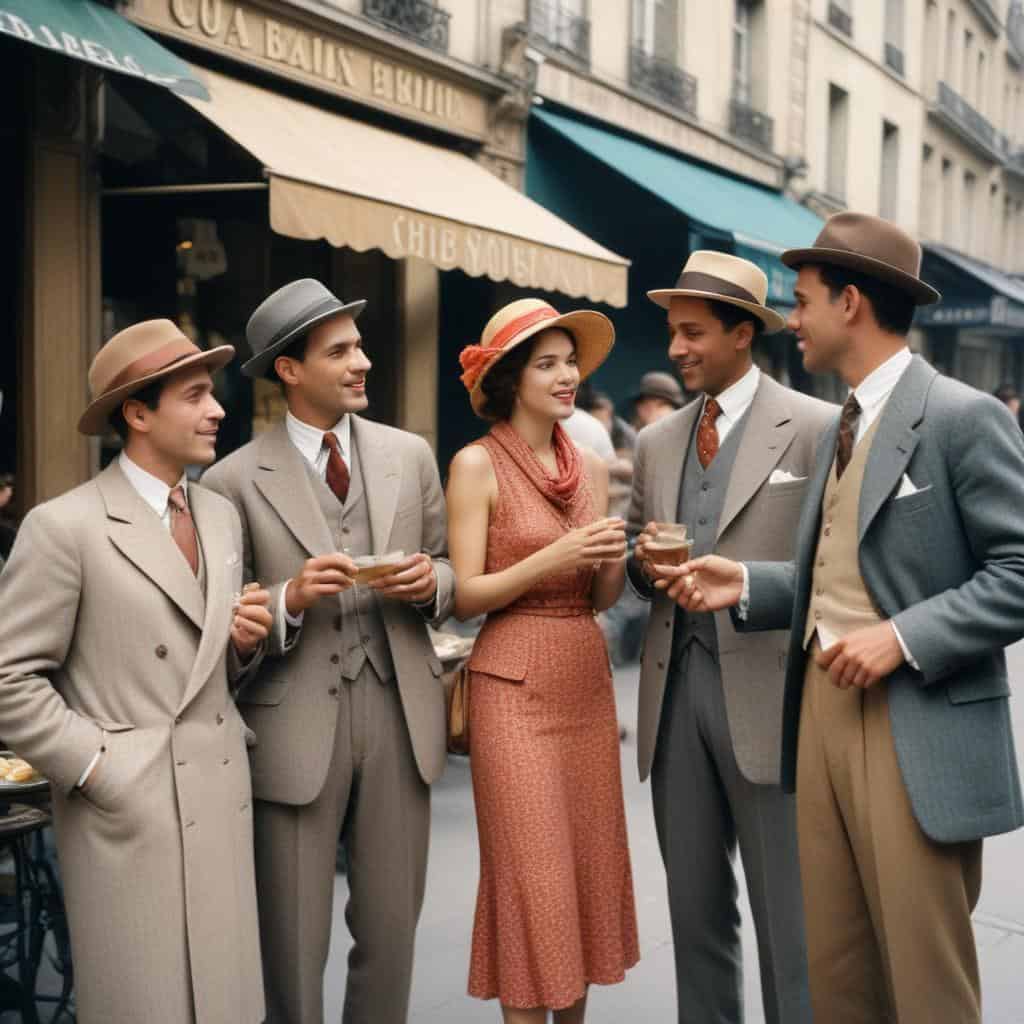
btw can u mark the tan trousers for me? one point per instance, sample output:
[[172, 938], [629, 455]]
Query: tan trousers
[[889, 935], [374, 797]]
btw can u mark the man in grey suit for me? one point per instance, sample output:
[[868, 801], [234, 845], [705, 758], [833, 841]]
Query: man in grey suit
[[908, 582], [732, 466], [348, 709]]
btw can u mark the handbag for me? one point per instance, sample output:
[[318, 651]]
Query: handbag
[[458, 711]]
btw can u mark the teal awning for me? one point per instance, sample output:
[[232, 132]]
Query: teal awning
[[99, 36], [761, 222]]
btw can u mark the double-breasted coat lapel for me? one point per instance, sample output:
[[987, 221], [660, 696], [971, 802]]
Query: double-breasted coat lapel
[[137, 532]]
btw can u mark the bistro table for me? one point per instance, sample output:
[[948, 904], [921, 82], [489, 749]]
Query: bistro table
[[34, 910]]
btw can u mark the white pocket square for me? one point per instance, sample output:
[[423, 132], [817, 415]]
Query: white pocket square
[[780, 476], [907, 488]]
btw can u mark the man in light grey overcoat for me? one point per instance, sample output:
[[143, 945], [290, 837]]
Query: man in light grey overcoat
[[348, 707], [907, 583], [115, 612], [732, 466]]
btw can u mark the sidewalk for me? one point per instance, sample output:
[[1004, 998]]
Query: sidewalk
[[648, 994]]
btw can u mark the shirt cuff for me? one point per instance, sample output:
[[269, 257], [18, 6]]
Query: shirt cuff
[[83, 778], [429, 609], [743, 607], [291, 621], [907, 656]]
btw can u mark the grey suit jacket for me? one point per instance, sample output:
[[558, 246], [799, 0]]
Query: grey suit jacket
[[946, 564], [290, 704], [782, 432]]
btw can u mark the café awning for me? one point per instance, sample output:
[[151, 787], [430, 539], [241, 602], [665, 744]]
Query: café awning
[[974, 294], [97, 35], [360, 186], [760, 222]]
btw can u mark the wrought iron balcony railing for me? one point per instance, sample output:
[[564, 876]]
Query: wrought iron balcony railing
[[421, 20], [894, 58], [751, 125], [968, 121], [840, 19], [663, 79], [561, 29]]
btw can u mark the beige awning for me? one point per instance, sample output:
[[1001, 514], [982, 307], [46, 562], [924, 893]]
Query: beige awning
[[358, 185]]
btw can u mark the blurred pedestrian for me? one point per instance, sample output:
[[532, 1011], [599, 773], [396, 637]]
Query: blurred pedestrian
[[588, 432], [531, 549], [658, 396], [623, 439], [1010, 397]]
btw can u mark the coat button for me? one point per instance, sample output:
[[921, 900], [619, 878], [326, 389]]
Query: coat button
[[335, 659], [177, 720], [345, 530], [828, 531], [220, 718], [365, 639], [661, 664], [333, 691], [161, 650], [817, 616]]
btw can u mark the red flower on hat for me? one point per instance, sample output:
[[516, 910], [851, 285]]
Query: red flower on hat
[[474, 359]]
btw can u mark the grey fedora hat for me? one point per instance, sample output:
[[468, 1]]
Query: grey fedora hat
[[286, 315]]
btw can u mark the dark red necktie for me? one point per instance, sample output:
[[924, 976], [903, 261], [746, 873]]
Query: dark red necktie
[[707, 433], [847, 431], [337, 472]]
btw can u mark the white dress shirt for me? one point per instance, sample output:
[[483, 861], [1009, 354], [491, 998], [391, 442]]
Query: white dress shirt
[[586, 431], [872, 393], [154, 492], [734, 401]]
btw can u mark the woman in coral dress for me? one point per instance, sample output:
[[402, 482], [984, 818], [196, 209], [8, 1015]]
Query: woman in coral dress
[[555, 909]]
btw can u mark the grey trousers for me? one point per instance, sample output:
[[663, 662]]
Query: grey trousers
[[702, 805], [375, 798]]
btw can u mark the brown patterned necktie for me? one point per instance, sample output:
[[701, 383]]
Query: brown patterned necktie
[[183, 530], [707, 433], [847, 433], [338, 477]]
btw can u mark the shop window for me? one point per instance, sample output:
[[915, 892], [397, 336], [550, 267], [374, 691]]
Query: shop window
[[894, 20]]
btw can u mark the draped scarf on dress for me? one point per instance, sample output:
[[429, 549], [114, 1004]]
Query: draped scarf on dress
[[560, 489]]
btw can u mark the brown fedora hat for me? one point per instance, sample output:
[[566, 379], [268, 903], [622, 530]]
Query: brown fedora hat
[[722, 277], [135, 357], [871, 246]]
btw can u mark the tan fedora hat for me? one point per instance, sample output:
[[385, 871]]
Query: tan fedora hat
[[721, 277], [871, 246], [135, 357], [515, 323]]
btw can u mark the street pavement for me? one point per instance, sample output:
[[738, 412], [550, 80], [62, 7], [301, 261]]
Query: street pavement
[[648, 993]]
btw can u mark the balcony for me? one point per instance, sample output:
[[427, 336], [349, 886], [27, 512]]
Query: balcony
[[977, 131], [663, 80], [840, 19], [894, 58], [559, 29], [420, 20], [751, 125], [986, 11]]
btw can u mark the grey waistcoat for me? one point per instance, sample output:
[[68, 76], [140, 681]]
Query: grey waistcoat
[[363, 634], [701, 500]]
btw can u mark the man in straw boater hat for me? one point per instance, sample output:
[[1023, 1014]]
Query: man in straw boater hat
[[732, 466], [116, 610], [908, 582], [348, 707]]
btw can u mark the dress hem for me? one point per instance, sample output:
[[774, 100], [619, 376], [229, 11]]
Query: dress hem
[[558, 1004]]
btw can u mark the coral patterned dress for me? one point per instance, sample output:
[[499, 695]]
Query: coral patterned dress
[[555, 907]]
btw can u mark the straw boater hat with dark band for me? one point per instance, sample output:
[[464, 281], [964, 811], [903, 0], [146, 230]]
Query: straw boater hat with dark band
[[520, 320], [286, 315], [870, 246], [135, 357], [719, 277]]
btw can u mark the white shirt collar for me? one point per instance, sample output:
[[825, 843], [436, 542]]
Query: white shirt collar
[[153, 491], [876, 387], [310, 440], [736, 398]]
